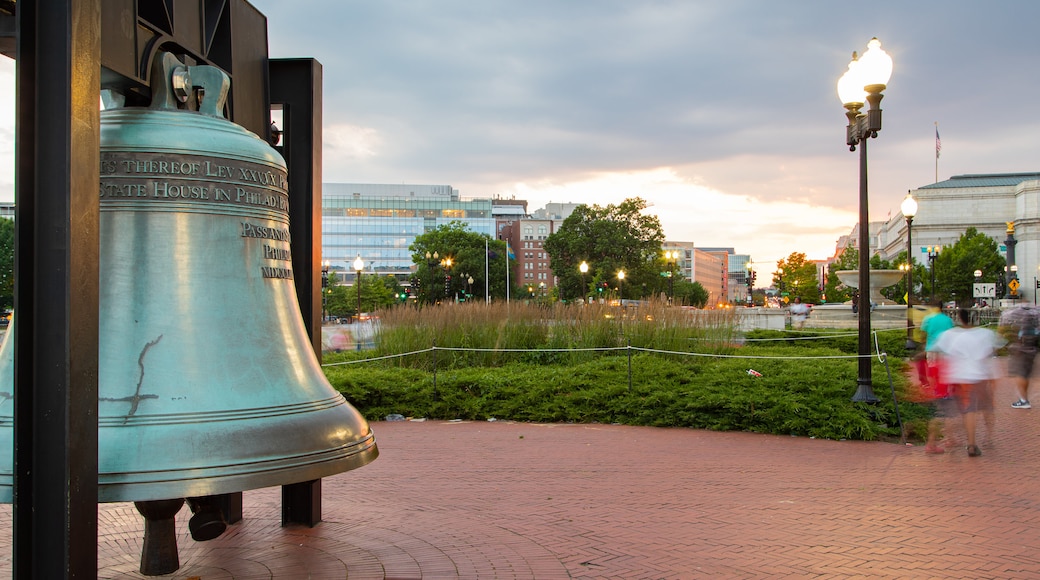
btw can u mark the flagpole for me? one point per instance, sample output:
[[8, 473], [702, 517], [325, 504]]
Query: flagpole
[[487, 273]]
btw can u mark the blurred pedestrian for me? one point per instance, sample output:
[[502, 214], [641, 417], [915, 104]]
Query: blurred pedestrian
[[1021, 327], [799, 312], [934, 325], [968, 352]]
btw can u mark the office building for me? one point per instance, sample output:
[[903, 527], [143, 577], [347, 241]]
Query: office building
[[379, 222]]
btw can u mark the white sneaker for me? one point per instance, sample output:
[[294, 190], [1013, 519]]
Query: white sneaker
[[1021, 404]]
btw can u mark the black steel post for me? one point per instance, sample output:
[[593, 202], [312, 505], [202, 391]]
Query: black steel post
[[297, 84], [931, 271], [1012, 269], [324, 292], [909, 285], [58, 71], [864, 387], [671, 281]]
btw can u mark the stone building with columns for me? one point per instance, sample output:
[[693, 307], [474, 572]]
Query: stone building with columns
[[989, 202]]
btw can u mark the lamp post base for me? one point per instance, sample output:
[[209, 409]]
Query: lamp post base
[[864, 393]]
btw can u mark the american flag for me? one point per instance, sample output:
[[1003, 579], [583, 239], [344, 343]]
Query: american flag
[[938, 143]]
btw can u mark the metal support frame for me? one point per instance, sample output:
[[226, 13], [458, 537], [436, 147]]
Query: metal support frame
[[296, 85], [58, 68]]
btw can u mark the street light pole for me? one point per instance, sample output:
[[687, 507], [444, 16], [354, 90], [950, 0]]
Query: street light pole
[[359, 265], [863, 82], [672, 256], [621, 298], [1012, 267], [447, 278], [933, 253], [584, 269], [978, 278], [431, 263], [909, 209], [324, 290]]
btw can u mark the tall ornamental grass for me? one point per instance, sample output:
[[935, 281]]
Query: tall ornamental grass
[[563, 333]]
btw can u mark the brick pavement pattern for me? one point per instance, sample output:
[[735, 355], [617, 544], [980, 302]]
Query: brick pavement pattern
[[543, 501]]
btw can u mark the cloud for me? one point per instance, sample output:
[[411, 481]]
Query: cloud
[[691, 211]]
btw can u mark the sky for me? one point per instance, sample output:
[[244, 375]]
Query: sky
[[723, 115]]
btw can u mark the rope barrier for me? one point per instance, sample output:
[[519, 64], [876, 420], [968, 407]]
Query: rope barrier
[[351, 362], [882, 356]]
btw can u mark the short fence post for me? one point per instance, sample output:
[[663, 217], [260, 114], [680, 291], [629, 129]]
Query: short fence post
[[629, 341], [434, 351]]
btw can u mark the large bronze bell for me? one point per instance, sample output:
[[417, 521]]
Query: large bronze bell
[[207, 383]]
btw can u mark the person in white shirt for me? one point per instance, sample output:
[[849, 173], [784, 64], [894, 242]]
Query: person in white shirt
[[799, 312], [968, 353]]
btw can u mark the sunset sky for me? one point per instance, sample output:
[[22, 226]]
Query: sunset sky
[[723, 115]]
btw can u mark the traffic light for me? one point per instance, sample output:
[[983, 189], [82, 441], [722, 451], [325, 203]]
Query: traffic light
[[447, 284]]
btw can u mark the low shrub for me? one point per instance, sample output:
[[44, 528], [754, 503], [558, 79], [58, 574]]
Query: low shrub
[[799, 394]]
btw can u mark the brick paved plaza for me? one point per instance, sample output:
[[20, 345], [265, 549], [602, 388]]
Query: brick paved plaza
[[541, 501]]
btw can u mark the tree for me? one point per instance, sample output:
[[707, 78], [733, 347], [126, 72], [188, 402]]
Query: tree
[[610, 239], [690, 293], [468, 257], [342, 300], [955, 266], [835, 290], [799, 277]]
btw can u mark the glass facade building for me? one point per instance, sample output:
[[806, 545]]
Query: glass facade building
[[379, 222]]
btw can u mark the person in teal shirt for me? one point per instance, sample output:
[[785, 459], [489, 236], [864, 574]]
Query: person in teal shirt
[[934, 325]]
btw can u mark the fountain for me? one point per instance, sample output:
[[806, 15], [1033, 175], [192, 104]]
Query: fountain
[[878, 279]]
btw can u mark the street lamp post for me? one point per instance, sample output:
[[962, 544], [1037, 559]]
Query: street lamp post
[[359, 265], [324, 290], [431, 263], [672, 256], [584, 269], [863, 82], [446, 263], [1012, 268], [909, 209], [978, 278], [621, 298], [933, 253]]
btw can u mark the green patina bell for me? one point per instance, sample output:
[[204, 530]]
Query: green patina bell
[[208, 383]]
